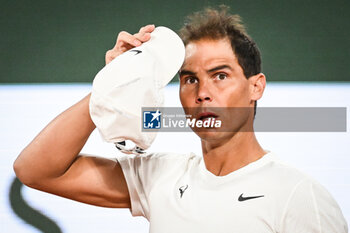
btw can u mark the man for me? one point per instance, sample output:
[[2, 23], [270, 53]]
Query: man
[[236, 186]]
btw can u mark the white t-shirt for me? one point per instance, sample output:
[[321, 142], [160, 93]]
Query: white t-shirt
[[177, 194]]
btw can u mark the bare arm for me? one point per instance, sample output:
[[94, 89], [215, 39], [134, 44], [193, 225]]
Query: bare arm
[[51, 162]]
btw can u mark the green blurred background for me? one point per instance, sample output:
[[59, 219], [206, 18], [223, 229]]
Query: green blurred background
[[65, 41]]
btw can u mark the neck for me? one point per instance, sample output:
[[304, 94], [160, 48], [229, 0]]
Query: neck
[[222, 157]]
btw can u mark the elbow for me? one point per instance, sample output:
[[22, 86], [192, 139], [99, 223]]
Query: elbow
[[22, 173]]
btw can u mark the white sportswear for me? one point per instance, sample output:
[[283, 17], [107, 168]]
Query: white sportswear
[[177, 194]]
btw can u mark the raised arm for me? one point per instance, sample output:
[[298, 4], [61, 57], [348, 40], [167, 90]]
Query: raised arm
[[51, 162]]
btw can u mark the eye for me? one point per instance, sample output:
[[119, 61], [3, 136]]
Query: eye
[[191, 80], [220, 76]]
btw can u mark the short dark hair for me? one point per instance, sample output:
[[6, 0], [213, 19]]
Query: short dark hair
[[219, 24]]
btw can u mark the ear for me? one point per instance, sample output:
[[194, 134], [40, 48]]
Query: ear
[[257, 86]]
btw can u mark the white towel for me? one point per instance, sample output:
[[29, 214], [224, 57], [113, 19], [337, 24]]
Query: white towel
[[131, 81]]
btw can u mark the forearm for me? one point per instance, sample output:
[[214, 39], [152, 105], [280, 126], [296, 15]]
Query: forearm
[[56, 147]]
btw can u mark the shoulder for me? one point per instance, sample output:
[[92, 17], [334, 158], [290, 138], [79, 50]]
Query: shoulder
[[282, 172], [159, 156], [289, 181], [305, 203], [303, 188], [159, 160], [168, 155]]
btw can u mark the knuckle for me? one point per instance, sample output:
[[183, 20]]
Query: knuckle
[[136, 35], [110, 54], [122, 34]]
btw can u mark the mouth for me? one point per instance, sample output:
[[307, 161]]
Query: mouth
[[206, 116]]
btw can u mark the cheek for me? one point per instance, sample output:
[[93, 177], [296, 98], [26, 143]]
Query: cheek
[[183, 92], [237, 95]]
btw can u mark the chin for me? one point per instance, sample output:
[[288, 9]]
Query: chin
[[213, 135]]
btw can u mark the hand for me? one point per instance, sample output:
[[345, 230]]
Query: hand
[[126, 41]]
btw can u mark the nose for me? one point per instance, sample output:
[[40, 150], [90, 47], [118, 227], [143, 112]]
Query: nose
[[203, 93]]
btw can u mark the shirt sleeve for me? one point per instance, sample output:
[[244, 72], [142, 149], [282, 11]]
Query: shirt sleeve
[[141, 173], [311, 209]]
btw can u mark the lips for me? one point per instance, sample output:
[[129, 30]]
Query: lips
[[206, 115]]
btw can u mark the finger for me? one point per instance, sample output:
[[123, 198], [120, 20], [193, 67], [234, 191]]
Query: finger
[[148, 28], [113, 53], [143, 37], [110, 55], [144, 33], [124, 39]]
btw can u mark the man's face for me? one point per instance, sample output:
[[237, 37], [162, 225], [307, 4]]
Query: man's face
[[212, 77]]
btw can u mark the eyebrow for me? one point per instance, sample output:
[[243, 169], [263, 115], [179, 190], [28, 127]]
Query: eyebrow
[[187, 72], [219, 68]]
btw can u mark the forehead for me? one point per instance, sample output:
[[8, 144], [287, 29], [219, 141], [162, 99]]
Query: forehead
[[206, 53]]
